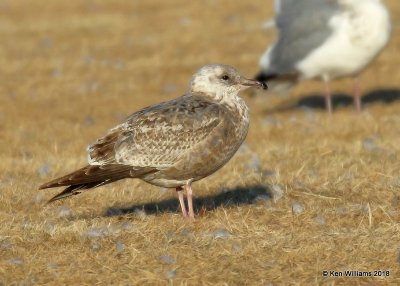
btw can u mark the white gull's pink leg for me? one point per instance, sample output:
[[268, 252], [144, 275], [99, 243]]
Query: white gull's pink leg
[[357, 94], [328, 96]]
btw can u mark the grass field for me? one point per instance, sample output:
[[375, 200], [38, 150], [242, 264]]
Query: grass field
[[307, 192]]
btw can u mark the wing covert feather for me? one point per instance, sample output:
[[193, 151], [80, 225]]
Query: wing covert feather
[[158, 135]]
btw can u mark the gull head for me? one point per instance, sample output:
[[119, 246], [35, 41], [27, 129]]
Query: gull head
[[221, 81]]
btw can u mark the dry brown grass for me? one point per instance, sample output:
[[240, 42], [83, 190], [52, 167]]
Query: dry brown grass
[[72, 69]]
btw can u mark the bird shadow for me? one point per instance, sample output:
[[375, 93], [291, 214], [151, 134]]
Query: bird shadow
[[227, 198], [317, 101]]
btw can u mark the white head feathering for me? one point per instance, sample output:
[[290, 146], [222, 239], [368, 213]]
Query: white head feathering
[[219, 81]]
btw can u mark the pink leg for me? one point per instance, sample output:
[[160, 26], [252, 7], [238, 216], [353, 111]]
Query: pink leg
[[357, 94], [328, 97], [179, 190], [190, 198]]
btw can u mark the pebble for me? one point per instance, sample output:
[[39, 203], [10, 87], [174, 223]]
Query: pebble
[[97, 232], [268, 173], [119, 246], [260, 199], [64, 212], [313, 174], [167, 259], [320, 219], [108, 230], [369, 144], [127, 225], [52, 265], [95, 245], [6, 244], [44, 170], [277, 193], [268, 263], [88, 120], [26, 224], [50, 228], [297, 208], [348, 176], [38, 198], [244, 148], [16, 261], [171, 274], [254, 163], [298, 185], [236, 247], [221, 233], [140, 212], [186, 232], [342, 210]]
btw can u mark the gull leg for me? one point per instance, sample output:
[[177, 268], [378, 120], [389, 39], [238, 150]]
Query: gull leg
[[190, 198], [357, 94], [179, 190], [328, 96]]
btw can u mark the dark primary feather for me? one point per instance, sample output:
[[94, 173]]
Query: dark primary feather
[[75, 190], [89, 174], [92, 177]]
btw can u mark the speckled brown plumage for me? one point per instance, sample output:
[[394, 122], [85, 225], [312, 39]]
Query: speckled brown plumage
[[174, 143]]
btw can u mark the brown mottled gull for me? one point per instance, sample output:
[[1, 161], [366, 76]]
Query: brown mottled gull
[[174, 143]]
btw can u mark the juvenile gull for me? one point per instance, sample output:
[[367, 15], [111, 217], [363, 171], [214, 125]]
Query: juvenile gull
[[325, 39], [174, 143]]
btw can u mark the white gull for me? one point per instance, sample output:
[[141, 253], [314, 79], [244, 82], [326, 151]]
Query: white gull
[[325, 39]]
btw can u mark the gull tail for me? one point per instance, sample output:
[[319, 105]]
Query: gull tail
[[264, 77], [93, 176], [278, 82]]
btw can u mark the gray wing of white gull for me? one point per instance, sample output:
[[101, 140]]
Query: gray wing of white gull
[[303, 26]]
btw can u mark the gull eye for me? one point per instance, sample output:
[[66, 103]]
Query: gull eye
[[225, 77]]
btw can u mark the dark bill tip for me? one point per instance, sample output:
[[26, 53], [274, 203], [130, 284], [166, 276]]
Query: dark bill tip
[[264, 85], [255, 83]]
